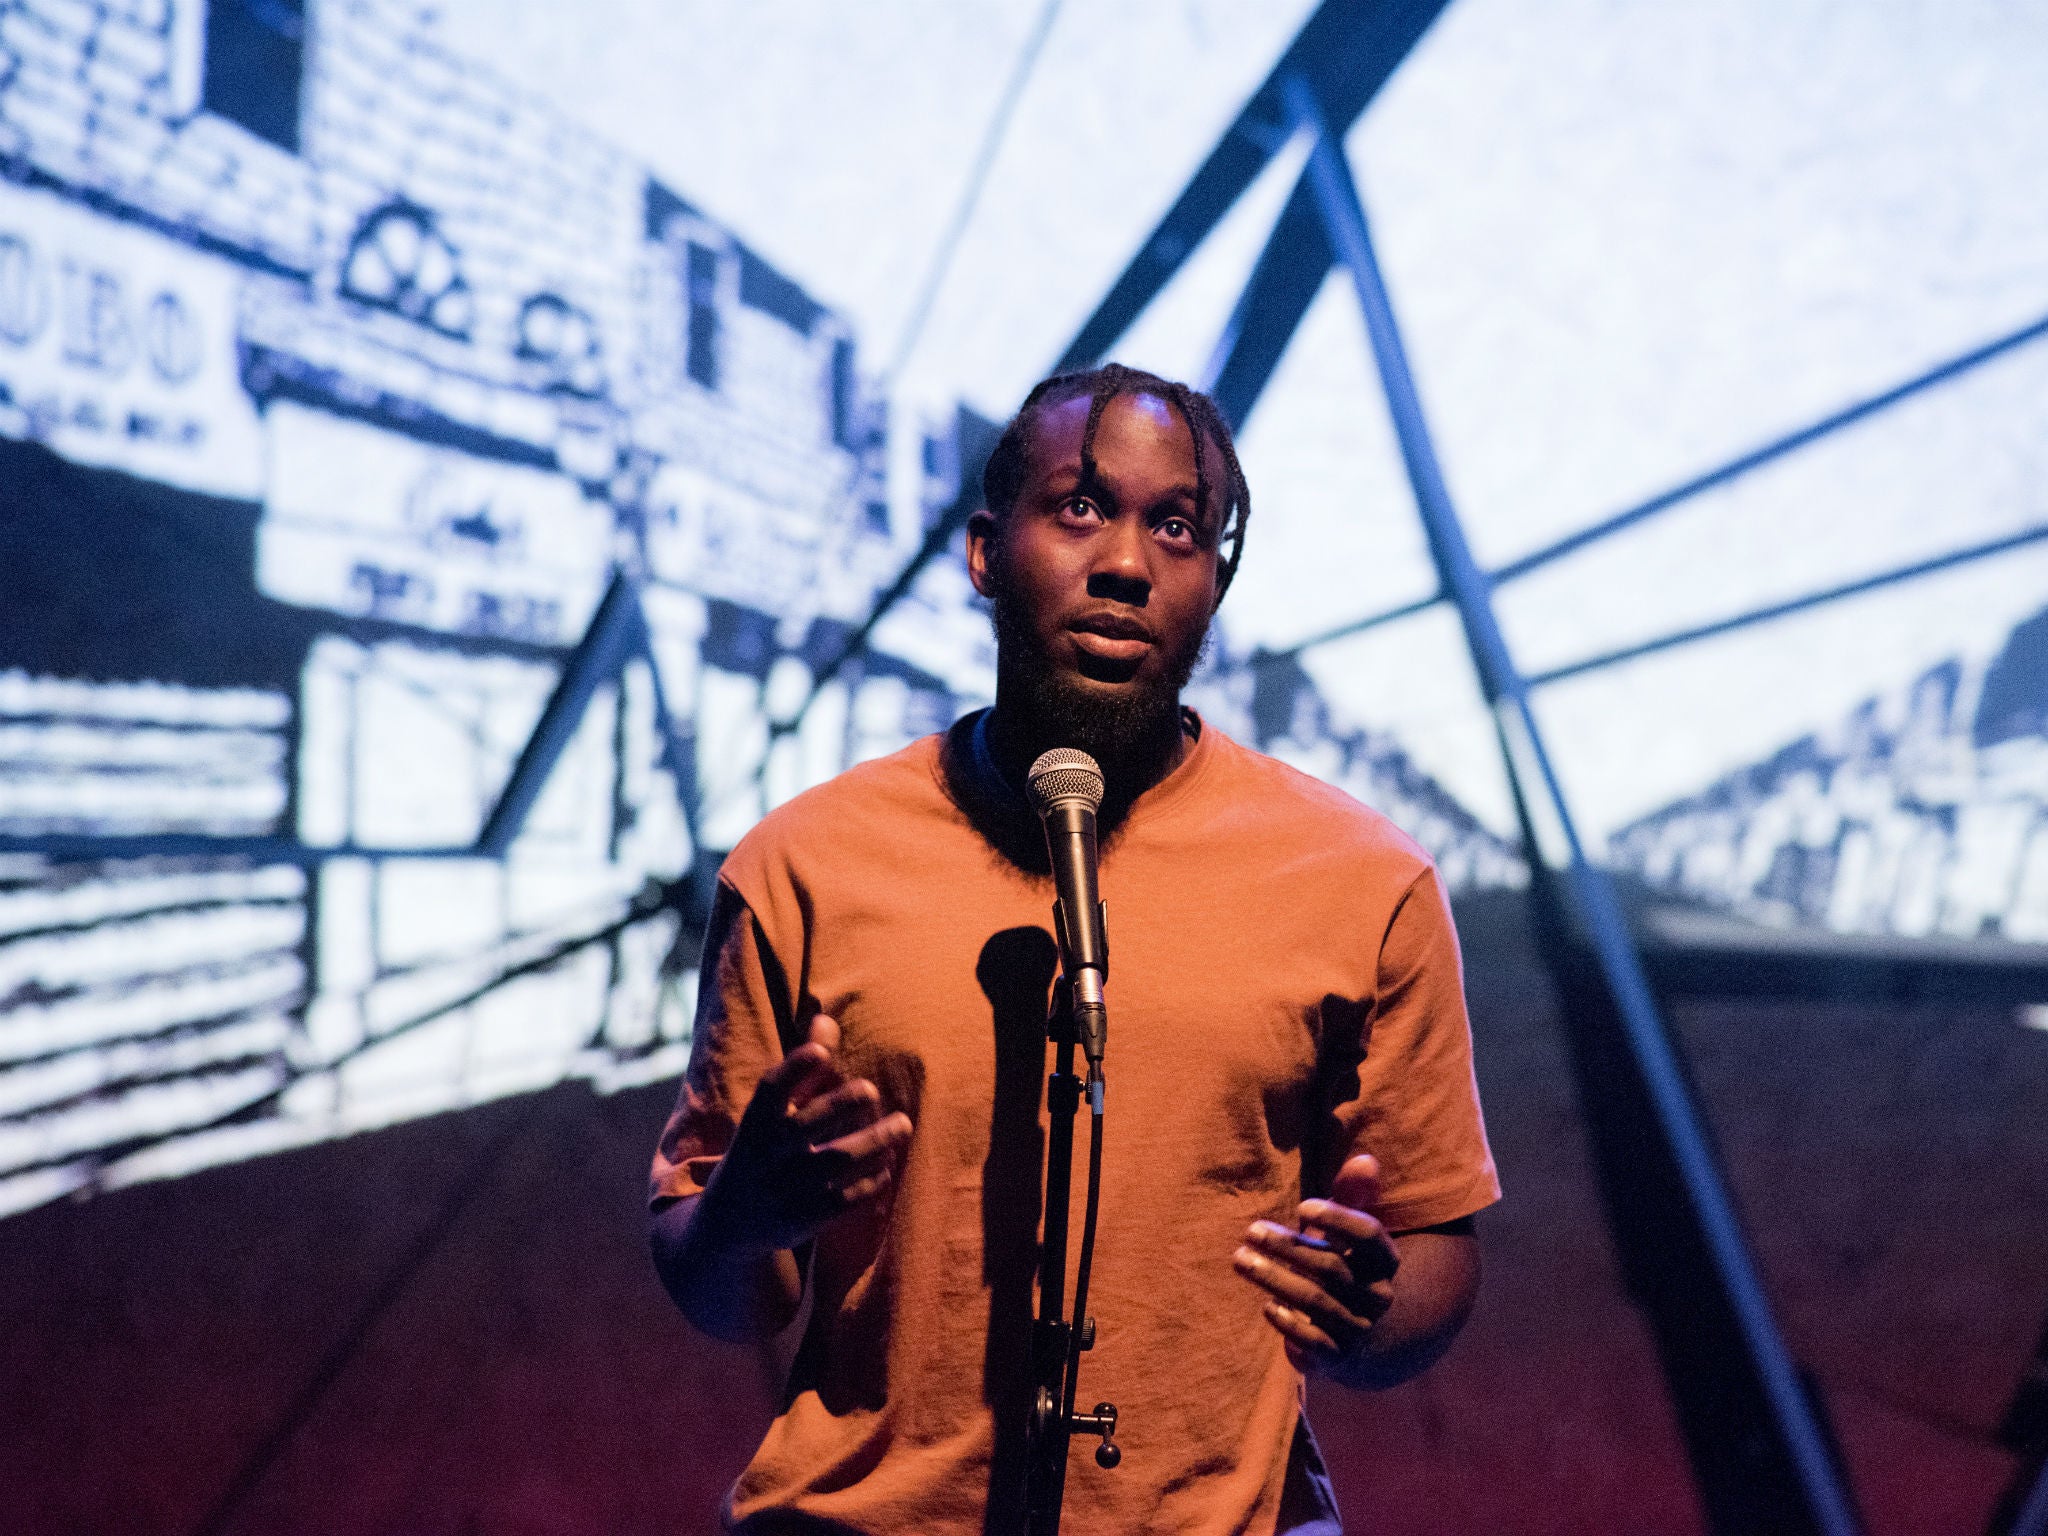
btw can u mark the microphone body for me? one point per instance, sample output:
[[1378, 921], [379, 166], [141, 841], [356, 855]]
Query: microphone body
[[1066, 788]]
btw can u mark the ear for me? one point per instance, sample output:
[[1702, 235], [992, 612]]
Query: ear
[[981, 535]]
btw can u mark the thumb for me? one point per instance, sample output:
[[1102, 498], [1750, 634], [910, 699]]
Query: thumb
[[1358, 1183], [787, 1079]]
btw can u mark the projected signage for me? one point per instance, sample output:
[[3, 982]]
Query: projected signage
[[727, 542], [117, 347], [264, 738], [360, 521]]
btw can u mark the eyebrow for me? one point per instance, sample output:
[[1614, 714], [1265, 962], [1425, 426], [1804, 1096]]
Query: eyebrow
[[1093, 484]]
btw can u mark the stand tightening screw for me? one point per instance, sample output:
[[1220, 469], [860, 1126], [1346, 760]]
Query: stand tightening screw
[[1106, 1454]]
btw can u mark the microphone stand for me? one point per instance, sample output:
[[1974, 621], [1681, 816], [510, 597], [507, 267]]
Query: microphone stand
[[1066, 789], [1057, 1343]]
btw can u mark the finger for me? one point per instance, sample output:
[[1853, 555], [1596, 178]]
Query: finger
[[1346, 1222], [1358, 1283], [857, 1154], [1367, 1245], [862, 1190], [782, 1080], [1371, 1260], [1301, 1251], [1307, 1345], [838, 1110], [1358, 1183], [811, 1068], [849, 1172], [822, 1077], [1295, 1290], [886, 1135]]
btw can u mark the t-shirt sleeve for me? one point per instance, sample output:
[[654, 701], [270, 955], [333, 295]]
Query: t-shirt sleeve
[[1407, 1093], [744, 1018]]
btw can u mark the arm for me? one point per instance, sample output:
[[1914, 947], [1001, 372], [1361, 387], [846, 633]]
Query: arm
[[722, 1288], [1356, 1303], [812, 1145], [1365, 1307], [1435, 1288]]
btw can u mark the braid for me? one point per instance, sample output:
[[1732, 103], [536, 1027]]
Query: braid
[[1186, 406], [1003, 477], [1108, 384], [1237, 506]]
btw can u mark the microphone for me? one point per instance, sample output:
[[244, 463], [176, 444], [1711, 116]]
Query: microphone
[[1066, 790]]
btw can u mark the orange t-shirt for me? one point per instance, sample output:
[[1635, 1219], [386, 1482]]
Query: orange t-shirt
[[1284, 989]]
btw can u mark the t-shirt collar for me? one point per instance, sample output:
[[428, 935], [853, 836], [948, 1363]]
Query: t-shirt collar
[[992, 781]]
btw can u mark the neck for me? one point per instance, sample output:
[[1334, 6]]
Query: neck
[[1133, 758]]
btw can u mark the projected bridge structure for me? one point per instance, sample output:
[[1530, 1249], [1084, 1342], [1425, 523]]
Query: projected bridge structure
[[430, 540]]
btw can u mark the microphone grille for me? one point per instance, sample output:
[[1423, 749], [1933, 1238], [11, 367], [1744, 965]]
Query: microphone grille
[[1065, 773]]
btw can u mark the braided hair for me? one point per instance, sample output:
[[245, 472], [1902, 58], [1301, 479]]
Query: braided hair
[[1003, 477]]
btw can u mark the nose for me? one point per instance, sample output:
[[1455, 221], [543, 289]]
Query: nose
[[1120, 573]]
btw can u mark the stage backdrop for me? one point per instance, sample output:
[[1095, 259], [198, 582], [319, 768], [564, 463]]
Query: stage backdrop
[[371, 376]]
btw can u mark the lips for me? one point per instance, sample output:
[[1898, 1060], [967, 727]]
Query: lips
[[1111, 637], [1111, 626]]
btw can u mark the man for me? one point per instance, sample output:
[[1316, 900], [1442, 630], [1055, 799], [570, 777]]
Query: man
[[862, 1110]]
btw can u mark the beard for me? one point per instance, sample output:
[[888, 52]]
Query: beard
[[1131, 730]]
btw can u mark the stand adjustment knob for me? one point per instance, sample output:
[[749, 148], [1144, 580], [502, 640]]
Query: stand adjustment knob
[[1087, 1333], [1101, 1422], [1045, 1412]]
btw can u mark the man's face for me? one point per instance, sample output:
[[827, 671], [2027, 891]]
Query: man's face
[[1103, 590]]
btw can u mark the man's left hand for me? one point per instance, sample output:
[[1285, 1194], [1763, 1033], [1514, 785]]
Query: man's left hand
[[1330, 1281]]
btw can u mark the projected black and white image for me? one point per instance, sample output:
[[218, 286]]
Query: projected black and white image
[[466, 464], [432, 538]]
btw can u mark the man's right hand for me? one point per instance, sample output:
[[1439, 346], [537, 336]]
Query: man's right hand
[[812, 1145]]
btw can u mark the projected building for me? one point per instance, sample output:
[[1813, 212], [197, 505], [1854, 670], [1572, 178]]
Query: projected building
[[1925, 812], [340, 380], [337, 382]]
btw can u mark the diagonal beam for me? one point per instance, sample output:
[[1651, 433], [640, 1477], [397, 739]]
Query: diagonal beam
[[976, 439], [1776, 449], [1283, 284], [617, 630], [1351, 627], [1779, 610], [970, 196], [1344, 54], [2032, 1519], [1756, 458], [1762, 1456]]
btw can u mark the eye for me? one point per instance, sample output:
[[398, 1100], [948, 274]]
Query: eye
[[1082, 508], [1177, 530]]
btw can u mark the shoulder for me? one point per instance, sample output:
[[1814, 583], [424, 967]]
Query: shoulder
[[881, 800], [1295, 812]]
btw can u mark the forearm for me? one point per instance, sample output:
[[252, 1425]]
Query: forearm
[[1434, 1292], [728, 1291]]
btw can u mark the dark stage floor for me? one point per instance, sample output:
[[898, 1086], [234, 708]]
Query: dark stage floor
[[451, 1327]]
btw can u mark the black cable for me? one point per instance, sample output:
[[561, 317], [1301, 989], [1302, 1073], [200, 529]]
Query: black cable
[[1080, 1335]]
